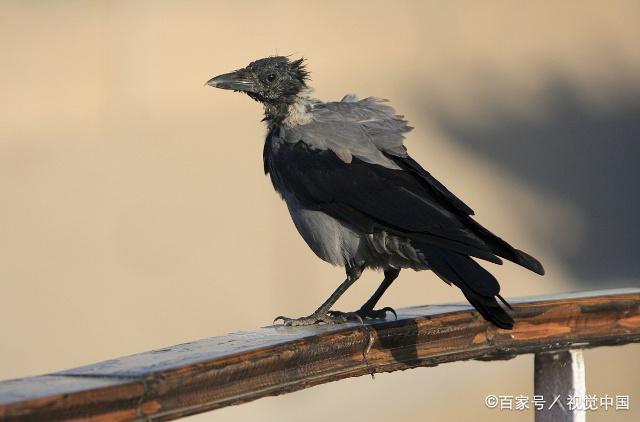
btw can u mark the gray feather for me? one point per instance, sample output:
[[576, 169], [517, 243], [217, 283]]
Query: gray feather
[[364, 129]]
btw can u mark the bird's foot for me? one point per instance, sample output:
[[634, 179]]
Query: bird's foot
[[329, 318], [366, 313]]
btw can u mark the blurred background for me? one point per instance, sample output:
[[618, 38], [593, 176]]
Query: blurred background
[[134, 212]]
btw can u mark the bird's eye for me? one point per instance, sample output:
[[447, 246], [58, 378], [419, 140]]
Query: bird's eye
[[271, 77]]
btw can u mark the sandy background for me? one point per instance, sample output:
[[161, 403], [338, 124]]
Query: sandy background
[[134, 212]]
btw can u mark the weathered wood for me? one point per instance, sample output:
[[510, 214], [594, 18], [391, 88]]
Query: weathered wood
[[207, 374], [559, 382]]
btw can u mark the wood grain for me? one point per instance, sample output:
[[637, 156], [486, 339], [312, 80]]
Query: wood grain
[[220, 371]]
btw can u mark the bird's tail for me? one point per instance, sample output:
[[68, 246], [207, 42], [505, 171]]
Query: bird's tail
[[478, 285]]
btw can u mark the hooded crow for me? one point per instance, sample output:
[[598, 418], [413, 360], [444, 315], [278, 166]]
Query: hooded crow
[[359, 200]]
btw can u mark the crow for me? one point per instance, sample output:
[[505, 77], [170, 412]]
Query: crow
[[359, 200]]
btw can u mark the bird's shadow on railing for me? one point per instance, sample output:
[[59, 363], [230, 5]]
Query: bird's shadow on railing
[[397, 345], [577, 153]]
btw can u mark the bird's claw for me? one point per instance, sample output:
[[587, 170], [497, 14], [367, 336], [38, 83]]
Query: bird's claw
[[329, 318], [345, 316], [376, 313]]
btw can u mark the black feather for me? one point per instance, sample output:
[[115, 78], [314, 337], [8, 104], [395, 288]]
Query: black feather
[[371, 197], [495, 243], [478, 285], [411, 165]]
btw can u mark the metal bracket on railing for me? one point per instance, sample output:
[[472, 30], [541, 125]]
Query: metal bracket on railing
[[559, 380]]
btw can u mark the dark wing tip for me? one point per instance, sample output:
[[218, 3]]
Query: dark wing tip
[[529, 262]]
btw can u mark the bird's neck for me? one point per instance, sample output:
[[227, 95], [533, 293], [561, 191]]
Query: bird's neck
[[275, 113], [292, 112]]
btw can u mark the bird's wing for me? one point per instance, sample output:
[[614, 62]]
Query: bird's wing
[[370, 197], [409, 164], [370, 130]]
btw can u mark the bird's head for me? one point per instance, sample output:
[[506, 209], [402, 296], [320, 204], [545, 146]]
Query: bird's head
[[272, 80]]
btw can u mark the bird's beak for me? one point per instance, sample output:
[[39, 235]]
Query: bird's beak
[[240, 80]]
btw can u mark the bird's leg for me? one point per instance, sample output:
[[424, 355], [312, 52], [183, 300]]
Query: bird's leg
[[366, 310], [322, 314]]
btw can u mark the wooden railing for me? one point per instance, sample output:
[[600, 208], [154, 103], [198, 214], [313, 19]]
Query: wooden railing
[[212, 373]]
